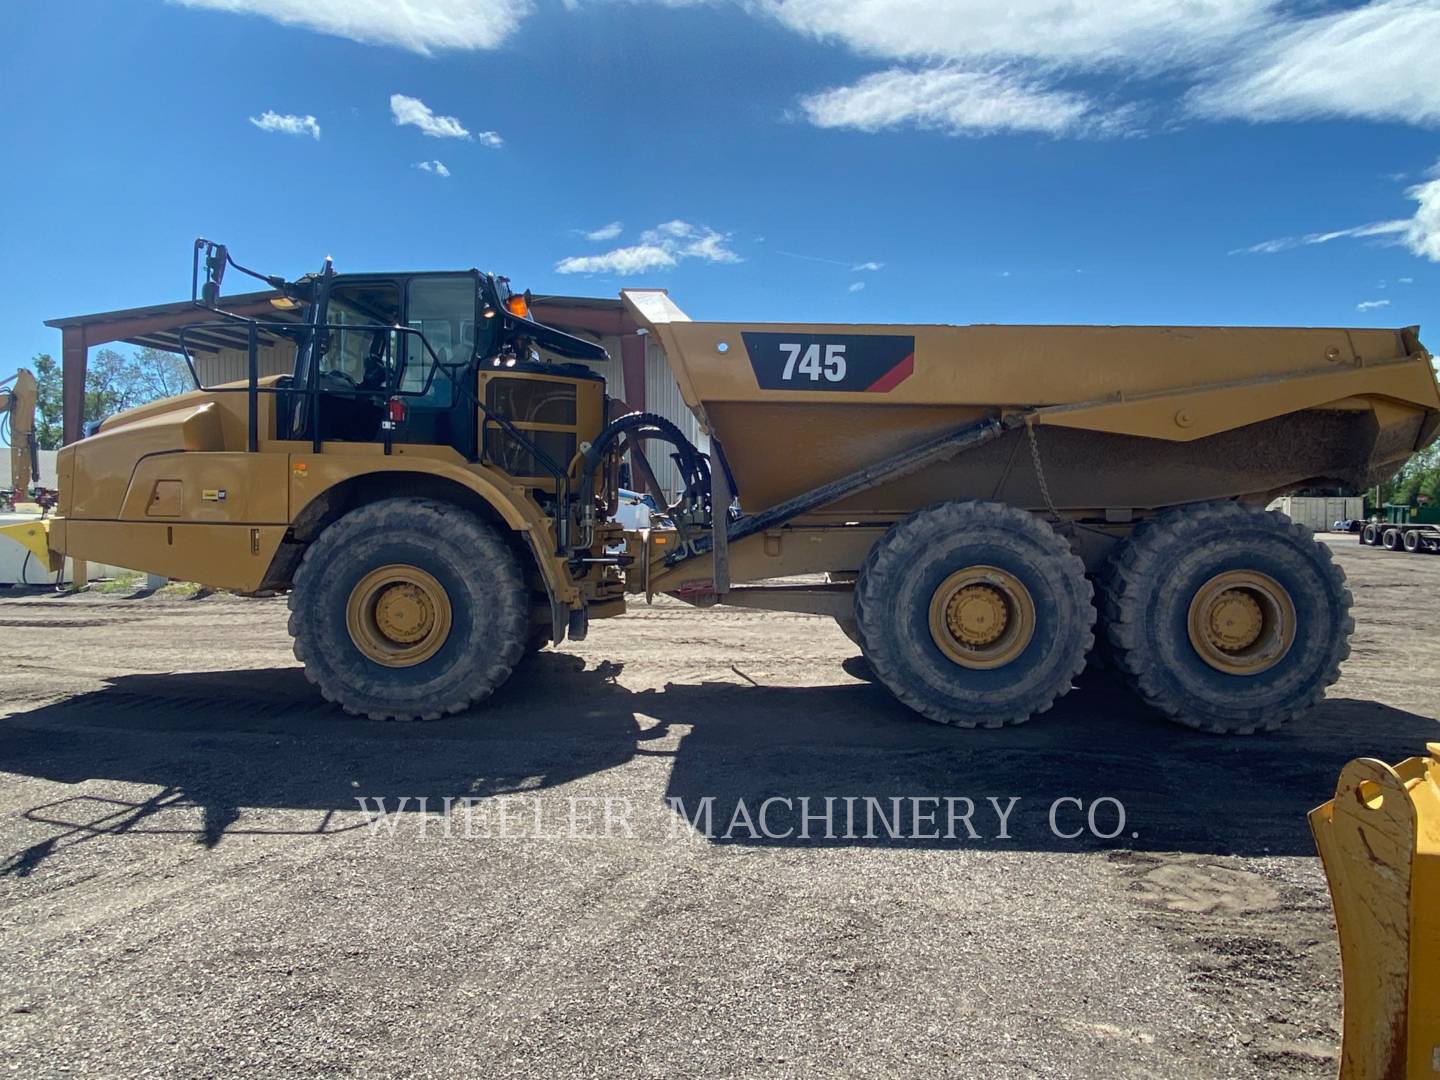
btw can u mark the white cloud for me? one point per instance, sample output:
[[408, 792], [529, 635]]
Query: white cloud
[[692, 241], [436, 167], [663, 246], [605, 232], [868, 266], [1143, 34], [422, 26], [1371, 305], [626, 260], [491, 139], [988, 66], [1287, 243], [1406, 280], [287, 124], [1419, 233], [409, 110], [1369, 63], [856, 286], [956, 102], [1422, 232]]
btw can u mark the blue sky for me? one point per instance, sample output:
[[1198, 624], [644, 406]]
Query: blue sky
[[1224, 161]]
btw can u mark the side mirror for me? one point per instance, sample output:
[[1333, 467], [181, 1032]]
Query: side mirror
[[216, 256]]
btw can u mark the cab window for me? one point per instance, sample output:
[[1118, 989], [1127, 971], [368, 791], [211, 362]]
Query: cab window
[[366, 355], [442, 307]]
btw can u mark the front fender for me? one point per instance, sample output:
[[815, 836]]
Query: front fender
[[315, 476]]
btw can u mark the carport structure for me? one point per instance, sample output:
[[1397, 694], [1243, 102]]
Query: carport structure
[[159, 325]]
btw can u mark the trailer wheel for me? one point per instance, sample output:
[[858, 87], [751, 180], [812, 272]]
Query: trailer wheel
[[1390, 540], [408, 609], [974, 614], [1370, 535], [1226, 618], [1411, 541], [850, 628]]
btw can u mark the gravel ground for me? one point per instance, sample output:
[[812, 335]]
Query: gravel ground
[[190, 887]]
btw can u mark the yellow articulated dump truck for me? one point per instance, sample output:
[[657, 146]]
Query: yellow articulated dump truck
[[435, 484]]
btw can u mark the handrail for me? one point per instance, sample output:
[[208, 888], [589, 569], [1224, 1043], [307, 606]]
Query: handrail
[[312, 391]]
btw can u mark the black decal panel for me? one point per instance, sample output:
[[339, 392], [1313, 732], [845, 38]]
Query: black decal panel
[[862, 363]]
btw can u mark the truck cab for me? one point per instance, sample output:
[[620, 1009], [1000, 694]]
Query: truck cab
[[434, 386]]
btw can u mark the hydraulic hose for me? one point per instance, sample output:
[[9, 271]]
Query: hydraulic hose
[[688, 458]]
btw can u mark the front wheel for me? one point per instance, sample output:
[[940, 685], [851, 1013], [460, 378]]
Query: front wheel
[[974, 614], [409, 609]]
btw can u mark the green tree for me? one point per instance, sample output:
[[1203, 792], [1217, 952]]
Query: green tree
[[47, 405], [114, 382], [1419, 476]]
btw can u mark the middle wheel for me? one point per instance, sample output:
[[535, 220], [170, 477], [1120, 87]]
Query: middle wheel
[[975, 614]]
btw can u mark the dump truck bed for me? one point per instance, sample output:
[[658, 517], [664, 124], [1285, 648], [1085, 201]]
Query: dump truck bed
[[1133, 417]]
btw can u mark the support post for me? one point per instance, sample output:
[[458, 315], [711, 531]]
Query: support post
[[632, 369], [74, 359], [720, 497]]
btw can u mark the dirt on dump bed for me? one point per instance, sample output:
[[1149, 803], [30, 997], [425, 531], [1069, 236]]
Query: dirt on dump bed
[[197, 879]]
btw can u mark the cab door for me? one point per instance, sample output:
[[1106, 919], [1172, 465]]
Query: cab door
[[445, 309]]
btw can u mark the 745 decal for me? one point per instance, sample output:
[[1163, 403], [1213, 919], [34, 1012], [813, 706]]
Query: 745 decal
[[873, 363]]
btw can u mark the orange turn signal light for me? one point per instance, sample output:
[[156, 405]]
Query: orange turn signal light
[[516, 305]]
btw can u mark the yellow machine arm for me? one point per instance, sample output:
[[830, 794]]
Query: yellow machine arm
[[1379, 839], [17, 405]]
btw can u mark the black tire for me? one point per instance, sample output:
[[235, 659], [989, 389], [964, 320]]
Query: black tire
[[1411, 541], [483, 585], [906, 568], [849, 627], [1370, 535], [1390, 540], [1145, 598]]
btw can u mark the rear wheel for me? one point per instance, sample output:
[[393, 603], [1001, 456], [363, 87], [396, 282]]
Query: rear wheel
[[1226, 618], [408, 609], [1390, 540], [1370, 535], [974, 614], [1411, 541]]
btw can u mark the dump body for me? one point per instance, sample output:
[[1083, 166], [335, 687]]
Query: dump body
[[1128, 418]]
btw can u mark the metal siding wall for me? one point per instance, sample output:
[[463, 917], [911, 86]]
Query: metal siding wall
[[1319, 513], [228, 365], [662, 396]]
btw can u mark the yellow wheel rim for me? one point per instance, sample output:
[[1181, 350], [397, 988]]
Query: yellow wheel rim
[[398, 615], [1242, 622], [982, 617]]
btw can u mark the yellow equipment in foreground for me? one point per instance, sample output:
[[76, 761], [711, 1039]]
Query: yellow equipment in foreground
[[1379, 839], [33, 535], [17, 413]]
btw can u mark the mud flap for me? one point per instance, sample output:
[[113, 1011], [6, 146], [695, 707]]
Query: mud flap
[[1379, 840]]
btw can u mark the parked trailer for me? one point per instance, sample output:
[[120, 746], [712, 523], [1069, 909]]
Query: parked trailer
[[980, 501], [1416, 538]]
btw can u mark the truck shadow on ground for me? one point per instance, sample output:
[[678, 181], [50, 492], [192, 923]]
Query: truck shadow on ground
[[214, 745]]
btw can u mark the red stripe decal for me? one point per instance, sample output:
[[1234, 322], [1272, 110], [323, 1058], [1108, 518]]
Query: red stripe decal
[[894, 377]]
